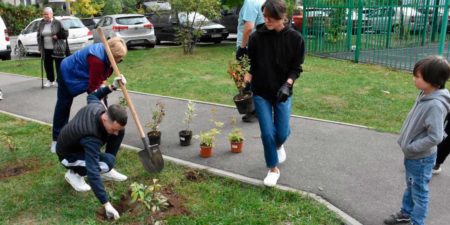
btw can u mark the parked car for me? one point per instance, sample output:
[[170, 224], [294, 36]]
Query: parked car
[[439, 15], [229, 19], [167, 22], [90, 22], [365, 22], [317, 20], [413, 20], [5, 45], [134, 29], [79, 35]]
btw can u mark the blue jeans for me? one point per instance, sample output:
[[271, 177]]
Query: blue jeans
[[415, 198], [274, 124]]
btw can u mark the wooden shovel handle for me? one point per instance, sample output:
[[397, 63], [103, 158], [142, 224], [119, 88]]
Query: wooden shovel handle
[[124, 89]]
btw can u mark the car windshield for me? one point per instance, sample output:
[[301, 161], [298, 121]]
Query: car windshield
[[72, 23], [196, 17], [131, 20]]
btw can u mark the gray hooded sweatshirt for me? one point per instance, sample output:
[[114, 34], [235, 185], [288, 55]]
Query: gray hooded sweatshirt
[[423, 129]]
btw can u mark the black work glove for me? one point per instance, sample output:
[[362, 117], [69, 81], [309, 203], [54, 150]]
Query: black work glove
[[241, 52], [248, 87], [284, 92]]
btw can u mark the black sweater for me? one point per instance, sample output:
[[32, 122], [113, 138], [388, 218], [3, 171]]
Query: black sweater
[[274, 57]]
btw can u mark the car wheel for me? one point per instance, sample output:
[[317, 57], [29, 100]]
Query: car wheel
[[158, 42], [8, 57], [150, 46], [217, 41]]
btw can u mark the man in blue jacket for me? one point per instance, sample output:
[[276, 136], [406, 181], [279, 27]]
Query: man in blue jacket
[[80, 141]]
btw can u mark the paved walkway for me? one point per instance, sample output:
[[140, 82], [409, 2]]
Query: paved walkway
[[356, 169]]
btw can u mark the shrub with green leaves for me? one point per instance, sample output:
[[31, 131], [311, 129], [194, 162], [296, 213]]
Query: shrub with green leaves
[[18, 17]]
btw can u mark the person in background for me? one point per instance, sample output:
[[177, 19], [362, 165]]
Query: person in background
[[80, 142], [51, 38], [422, 131], [84, 71], [276, 53], [443, 149], [250, 16]]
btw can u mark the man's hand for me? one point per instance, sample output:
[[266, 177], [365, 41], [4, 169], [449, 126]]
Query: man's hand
[[118, 79], [284, 92], [111, 212], [241, 52]]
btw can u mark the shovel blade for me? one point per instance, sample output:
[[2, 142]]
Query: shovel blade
[[151, 159]]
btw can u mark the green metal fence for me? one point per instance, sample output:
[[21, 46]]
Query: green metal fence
[[393, 33]]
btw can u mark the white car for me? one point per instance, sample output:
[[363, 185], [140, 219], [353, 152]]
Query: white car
[[79, 35], [5, 45]]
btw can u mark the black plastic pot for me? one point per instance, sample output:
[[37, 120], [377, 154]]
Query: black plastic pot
[[154, 137], [185, 137], [244, 104]]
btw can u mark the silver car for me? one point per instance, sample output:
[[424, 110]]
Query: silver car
[[134, 29]]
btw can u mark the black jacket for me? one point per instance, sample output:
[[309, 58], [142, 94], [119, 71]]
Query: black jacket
[[274, 57], [59, 45]]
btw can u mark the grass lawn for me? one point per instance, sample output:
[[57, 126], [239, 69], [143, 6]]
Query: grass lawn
[[328, 89], [40, 195]]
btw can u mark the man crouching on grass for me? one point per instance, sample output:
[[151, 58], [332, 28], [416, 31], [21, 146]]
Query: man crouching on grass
[[80, 141]]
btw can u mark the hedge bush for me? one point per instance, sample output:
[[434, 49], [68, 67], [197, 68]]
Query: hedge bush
[[18, 17]]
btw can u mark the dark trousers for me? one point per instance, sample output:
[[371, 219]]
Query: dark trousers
[[76, 161], [444, 146], [62, 109], [48, 65]]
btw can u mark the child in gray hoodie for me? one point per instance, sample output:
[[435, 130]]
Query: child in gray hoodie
[[422, 131]]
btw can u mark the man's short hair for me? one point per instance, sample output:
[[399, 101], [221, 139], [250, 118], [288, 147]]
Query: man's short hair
[[435, 70], [48, 10], [117, 113]]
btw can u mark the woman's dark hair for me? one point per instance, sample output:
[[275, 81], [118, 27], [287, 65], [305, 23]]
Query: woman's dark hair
[[275, 8], [118, 113], [435, 70]]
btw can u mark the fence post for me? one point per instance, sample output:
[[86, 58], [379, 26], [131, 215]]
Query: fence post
[[444, 25], [390, 15], [424, 32], [359, 29], [305, 23], [349, 24], [435, 18]]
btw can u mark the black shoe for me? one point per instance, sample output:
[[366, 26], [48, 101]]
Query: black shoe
[[397, 218], [249, 117]]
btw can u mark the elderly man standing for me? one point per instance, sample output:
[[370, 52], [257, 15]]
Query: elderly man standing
[[250, 16]]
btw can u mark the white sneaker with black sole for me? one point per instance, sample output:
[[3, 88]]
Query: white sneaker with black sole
[[76, 181], [281, 154], [113, 175]]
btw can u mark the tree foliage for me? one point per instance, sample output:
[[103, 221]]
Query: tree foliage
[[112, 7], [189, 30], [18, 17], [86, 8]]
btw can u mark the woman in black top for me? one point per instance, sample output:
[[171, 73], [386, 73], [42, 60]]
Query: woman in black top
[[276, 54], [51, 38]]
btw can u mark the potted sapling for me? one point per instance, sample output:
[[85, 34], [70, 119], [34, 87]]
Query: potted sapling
[[236, 137], [158, 113], [186, 134], [238, 69], [208, 138]]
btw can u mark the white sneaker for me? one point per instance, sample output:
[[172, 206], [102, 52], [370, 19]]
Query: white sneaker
[[47, 83], [53, 147], [114, 176], [53, 84], [76, 181], [1, 95], [271, 179], [281, 154]]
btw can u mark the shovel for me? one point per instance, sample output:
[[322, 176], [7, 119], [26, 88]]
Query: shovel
[[151, 157]]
